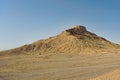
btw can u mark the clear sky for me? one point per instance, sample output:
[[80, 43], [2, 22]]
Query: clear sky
[[25, 21]]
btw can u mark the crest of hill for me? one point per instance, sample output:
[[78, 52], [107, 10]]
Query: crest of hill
[[76, 40]]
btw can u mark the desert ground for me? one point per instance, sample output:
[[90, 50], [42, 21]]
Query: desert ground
[[60, 67], [75, 54]]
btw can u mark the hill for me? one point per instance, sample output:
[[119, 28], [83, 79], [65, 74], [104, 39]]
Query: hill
[[76, 40], [74, 54]]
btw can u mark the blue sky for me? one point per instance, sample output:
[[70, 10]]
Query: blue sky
[[25, 21]]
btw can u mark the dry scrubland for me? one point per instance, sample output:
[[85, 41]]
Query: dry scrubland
[[75, 54]]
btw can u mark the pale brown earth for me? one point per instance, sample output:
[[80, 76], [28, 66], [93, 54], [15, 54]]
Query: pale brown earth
[[60, 67], [75, 54], [114, 75]]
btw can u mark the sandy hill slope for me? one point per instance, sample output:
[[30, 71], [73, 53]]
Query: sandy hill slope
[[76, 40]]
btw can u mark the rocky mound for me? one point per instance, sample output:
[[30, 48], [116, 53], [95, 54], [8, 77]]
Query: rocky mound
[[76, 40]]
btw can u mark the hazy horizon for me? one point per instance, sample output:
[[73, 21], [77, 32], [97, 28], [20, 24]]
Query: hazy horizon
[[26, 21]]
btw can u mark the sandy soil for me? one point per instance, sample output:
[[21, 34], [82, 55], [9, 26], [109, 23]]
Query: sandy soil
[[60, 67]]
